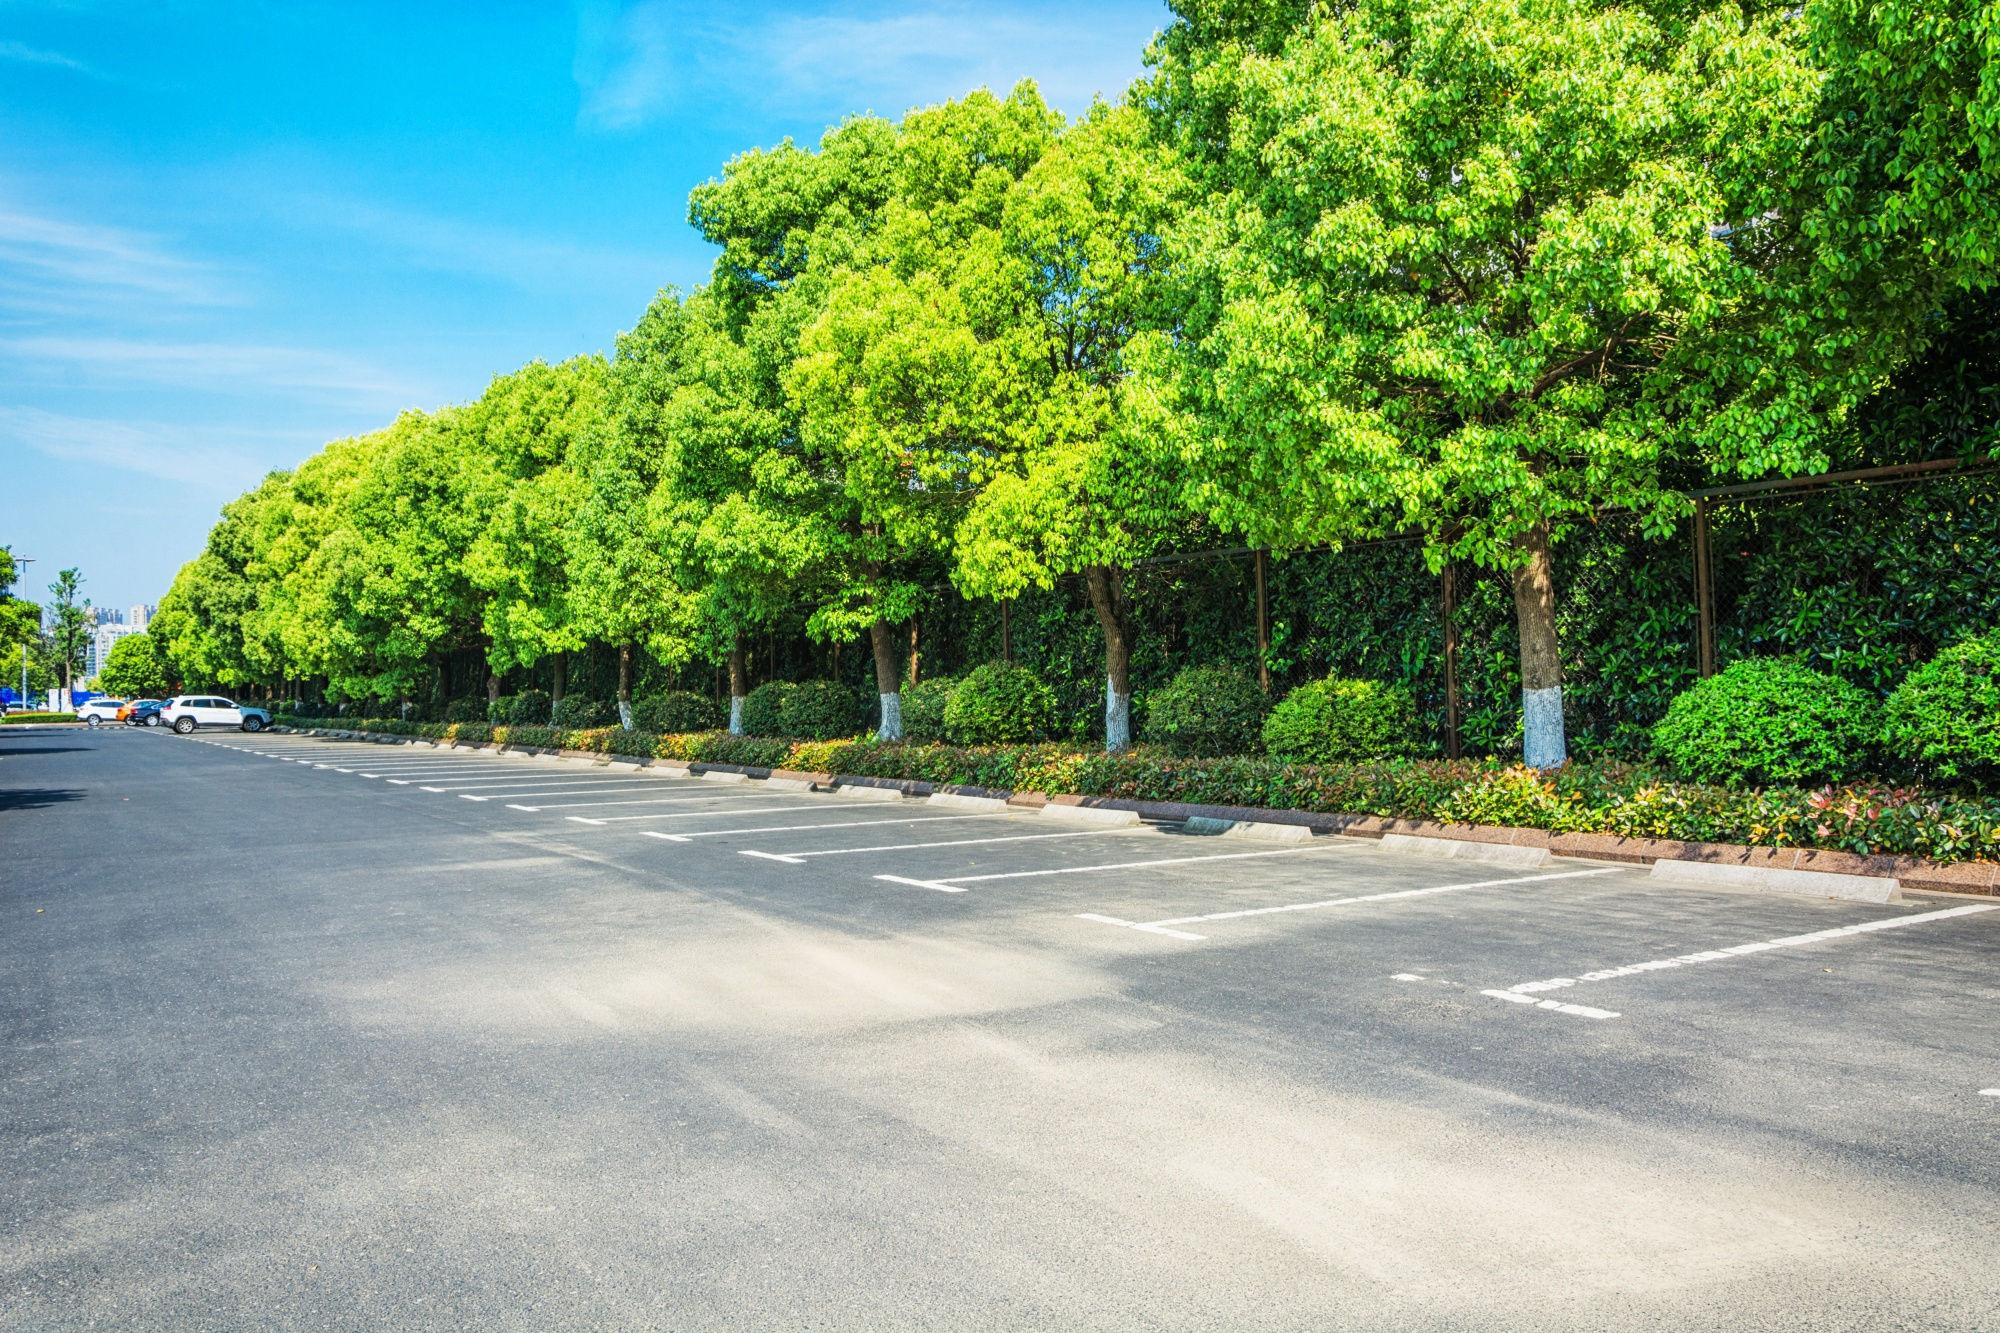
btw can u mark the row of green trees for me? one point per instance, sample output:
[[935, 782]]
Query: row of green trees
[[1476, 269], [51, 648]]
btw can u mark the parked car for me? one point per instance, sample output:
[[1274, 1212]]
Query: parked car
[[186, 712], [99, 711], [130, 706], [145, 713]]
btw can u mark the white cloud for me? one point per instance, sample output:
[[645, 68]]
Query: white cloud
[[23, 54], [230, 367], [219, 459], [45, 260], [645, 60]]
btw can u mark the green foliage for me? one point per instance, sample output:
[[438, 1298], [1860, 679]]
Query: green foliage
[[675, 711], [764, 708], [1772, 720], [12, 718], [818, 710], [1342, 721], [70, 632], [133, 669], [575, 712], [997, 704], [1944, 719], [529, 708], [465, 710], [923, 708], [1208, 710]]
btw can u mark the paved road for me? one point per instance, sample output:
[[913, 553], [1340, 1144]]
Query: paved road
[[283, 1045]]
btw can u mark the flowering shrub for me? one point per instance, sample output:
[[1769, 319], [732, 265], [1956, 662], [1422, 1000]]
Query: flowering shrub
[[1601, 797]]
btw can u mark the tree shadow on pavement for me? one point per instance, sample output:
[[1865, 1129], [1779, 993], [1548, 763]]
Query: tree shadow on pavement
[[7, 751], [26, 798]]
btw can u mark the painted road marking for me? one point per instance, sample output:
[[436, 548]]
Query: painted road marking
[[772, 828], [944, 884], [1525, 992], [1162, 927], [800, 858], [654, 800], [1575, 1010], [608, 789]]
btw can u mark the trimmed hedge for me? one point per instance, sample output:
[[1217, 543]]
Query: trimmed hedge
[[999, 704], [923, 708], [1208, 710], [1945, 716], [1342, 721], [676, 710], [819, 710], [1603, 797], [764, 708], [574, 712], [1766, 720]]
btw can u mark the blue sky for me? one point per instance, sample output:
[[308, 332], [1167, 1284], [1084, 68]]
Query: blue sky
[[229, 233]]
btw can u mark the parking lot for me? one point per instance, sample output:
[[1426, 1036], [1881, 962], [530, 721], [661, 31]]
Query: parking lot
[[312, 1030]]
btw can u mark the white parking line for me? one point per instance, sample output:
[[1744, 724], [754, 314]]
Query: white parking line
[[685, 798], [489, 794], [800, 858], [1165, 926], [772, 828], [1525, 992], [949, 882]]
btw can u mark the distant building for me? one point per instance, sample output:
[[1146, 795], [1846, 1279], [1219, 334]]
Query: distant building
[[98, 651], [106, 615], [140, 615]]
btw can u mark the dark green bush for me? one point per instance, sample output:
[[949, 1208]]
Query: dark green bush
[[1208, 710], [1944, 719], [1769, 720], [529, 708], [1342, 721], [577, 711], [675, 711], [464, 710], [1000, 705], [819, 710], [764, 708], [923, 708]]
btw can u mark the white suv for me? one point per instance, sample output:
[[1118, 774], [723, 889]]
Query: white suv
[[189, 711], [99, 711]]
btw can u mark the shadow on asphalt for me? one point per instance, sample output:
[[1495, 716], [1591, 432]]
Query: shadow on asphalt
[[42, 749], [23, 798]]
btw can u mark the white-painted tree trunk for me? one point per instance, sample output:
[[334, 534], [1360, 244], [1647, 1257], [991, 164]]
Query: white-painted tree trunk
[[1117, 719], [1544, 743], [891, 727], [736, 715]]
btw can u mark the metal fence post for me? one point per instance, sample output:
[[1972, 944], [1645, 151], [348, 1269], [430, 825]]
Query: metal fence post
[[1453, 748], [1263, 630], [1704, 593]]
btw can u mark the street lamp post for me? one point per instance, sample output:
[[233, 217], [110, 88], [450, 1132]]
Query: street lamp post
[[24, 560]]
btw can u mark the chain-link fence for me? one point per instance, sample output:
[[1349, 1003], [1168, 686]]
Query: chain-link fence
[[1864, 575]]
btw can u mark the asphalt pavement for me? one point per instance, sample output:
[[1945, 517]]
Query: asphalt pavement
[[308, 1033]]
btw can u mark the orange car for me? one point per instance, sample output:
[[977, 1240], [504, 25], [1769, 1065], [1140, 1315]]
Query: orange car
[[125, 709]]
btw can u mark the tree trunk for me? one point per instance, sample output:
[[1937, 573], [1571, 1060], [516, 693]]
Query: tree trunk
[[739, 684], [887, 682], [913, 650], [559, 673], [1543, 743], [625, 686], [492, 688], [1114, 617]]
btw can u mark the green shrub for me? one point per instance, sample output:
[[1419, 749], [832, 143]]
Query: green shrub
[[464, 710], [1944, 719], [576, 711], [1768, 720], [819, 710], [999, 705], [923, 708], [529, 708], [1341, 721], [1208, 710], [676, 710], [764, 708]]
